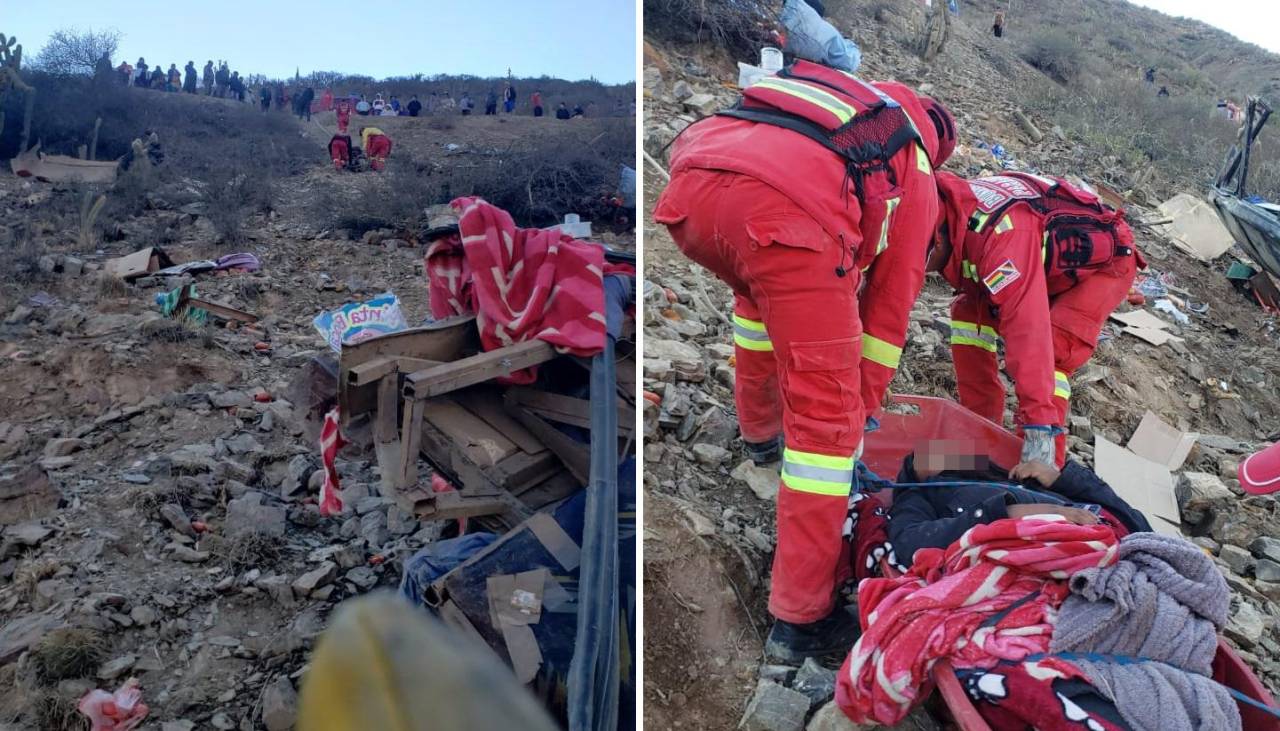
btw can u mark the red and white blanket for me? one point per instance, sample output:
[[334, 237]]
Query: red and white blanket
[[990, 596], [521, 283]]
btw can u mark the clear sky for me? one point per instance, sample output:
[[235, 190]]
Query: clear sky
[[1255, 21], [572, 39]]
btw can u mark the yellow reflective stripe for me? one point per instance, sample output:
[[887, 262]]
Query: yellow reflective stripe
[[1061, 385], [968, 270], [750, 334], [969, 333], [922, 159], [880, 351], [890, 206], [1044, 247], [813, 95], [741, 321], [978, 220], [819, 474], [1006, 224], [764, 346]]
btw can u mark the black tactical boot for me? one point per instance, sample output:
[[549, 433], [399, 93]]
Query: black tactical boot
[[763, 453], [790, 643]]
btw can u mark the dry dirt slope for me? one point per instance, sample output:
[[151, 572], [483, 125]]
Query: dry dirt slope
[[147, 429], [701, 665]]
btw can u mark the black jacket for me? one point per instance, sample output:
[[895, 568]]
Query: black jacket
[[414, 107], [935, 517]]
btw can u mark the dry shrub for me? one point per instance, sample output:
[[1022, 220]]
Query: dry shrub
[[55, 712], [69, 652], [165, 330], [32, 572], [1056, 55], [147, 499], [111, 286], [740, 26], [244, 550]]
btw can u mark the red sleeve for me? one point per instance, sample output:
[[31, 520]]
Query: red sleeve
[[894, 282], [1012, 273]]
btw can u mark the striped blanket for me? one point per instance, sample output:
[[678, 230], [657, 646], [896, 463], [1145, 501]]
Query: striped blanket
[[990, 596]]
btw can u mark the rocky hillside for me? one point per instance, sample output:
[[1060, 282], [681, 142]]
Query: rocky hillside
[[705, 618]]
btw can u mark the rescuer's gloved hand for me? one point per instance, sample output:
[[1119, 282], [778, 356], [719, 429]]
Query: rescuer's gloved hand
[[1038, 444]]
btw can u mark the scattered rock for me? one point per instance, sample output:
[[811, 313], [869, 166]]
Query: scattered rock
[[1081, 427], [1267, 570], [248, 515], [1195, 489], [703, 105], [775, 708], [314, 579], [1266, 547], [136, 478], [681, 90], [244, 443], [763, 481], [279, 705], [816, 682], [117, 667], [143, 615], [177, 518], [1246, 625], [231, 399], [831, 718], [710, 455], [187, 553], [63, 447], [296, 475], [23, 632], [1238, 559], [363, 577]]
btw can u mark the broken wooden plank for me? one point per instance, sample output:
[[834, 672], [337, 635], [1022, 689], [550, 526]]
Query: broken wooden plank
[[186, 302], [442, 341], [557, 487], [454, 505], [483, 444], [522, 470], [411, 439], [454, 464], [569, 410], [575, 455], [447, 377], [486, 403], [373, 370]]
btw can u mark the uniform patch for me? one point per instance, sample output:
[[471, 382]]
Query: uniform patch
[[1002, 277], [998, 190]]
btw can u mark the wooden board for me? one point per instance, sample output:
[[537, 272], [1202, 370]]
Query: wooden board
[[486, 403], [575, 455], [557, 487], [522, 470], [442, 341], [568, 410], [483, 444], [458, 468], [478, 368]]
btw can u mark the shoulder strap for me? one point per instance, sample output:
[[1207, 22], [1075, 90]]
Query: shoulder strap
[[788, 121]]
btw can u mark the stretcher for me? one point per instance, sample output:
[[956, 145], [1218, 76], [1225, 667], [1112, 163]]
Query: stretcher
[[913, 420]]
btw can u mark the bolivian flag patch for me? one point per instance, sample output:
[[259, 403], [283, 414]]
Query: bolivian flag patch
[[1002, 277]]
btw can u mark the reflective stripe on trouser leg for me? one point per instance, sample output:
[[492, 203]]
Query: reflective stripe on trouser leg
[[755, 383], [880, 351], [750, 334], [1063, 405], [817, 473], [970, 333], [1061, 385]]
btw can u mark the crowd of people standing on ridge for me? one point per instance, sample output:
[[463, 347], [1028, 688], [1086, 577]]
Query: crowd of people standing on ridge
[[217, 81]]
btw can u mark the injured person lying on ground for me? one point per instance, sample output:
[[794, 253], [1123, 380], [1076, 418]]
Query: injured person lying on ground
[[1040, 593]]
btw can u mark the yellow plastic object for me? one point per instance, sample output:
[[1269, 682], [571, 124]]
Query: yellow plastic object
[[385, 665]]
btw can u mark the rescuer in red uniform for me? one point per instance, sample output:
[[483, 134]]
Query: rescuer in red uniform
[[814, 200], [1039, 264]]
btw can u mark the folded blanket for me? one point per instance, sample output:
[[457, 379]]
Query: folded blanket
[[1162, 600]]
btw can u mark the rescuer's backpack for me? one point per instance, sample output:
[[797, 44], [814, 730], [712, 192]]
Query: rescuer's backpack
[[1081, 233]]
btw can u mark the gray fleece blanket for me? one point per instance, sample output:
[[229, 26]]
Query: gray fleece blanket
[[1155, 697], [1163, 600]]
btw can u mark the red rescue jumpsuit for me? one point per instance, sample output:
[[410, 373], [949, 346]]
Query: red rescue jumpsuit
[[1049, 322], [771, 213], [377, 146]]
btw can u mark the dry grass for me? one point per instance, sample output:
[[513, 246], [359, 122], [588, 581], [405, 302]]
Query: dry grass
[[244, 551], [111, 287], [147, 499], [68, 653], [170, 331], [32, 572]]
